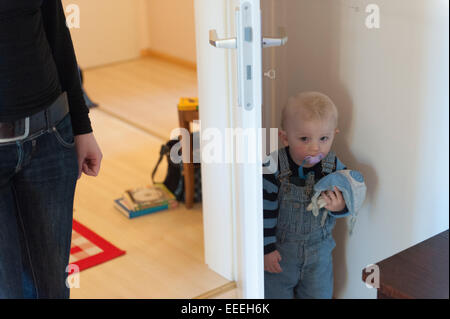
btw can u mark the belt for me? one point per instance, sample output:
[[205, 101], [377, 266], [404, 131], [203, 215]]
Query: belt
[[43, 120]]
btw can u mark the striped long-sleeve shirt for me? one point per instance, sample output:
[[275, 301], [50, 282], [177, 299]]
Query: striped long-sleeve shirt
[[271, 186]]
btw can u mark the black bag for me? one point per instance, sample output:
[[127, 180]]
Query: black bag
[[174, 180]]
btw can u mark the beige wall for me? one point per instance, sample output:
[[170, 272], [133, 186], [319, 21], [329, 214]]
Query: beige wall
[[109, 31], [118, 30], [172, 28]]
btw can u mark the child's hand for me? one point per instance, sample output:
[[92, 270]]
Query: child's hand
[[335, 200], [271, 262]]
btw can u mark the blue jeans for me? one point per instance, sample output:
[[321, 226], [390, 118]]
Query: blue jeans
[[37, 185], [307, 266]]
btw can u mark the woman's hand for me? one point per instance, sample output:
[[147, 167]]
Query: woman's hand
[[89, 154], [335, 201]]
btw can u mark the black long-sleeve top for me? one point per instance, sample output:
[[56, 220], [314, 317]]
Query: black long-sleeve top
[[37, 62]]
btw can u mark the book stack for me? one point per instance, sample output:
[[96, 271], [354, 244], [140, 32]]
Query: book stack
[[145, 200]]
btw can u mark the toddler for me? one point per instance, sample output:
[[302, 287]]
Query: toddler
[[298, 245]]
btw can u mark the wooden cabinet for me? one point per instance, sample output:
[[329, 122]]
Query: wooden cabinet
[[419, 272]]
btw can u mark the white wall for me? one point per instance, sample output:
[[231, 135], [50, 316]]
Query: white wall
[[172, 28], [391, 88], [110, 31]]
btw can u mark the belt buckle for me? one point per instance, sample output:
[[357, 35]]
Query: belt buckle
[[19, 138]]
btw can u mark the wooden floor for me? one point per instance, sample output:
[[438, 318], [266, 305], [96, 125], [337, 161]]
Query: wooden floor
[[164, 251], [144, 92]]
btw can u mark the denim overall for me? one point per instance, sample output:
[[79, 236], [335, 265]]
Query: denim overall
[[304, 244]]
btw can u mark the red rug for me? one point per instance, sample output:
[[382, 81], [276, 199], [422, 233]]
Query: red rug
[[89, 249]]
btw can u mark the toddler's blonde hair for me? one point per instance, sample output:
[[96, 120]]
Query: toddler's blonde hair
[[316, 106]]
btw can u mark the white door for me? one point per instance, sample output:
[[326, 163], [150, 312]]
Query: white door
[[229, 57]]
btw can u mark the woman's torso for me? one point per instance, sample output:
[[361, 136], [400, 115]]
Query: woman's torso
[[28, 74]]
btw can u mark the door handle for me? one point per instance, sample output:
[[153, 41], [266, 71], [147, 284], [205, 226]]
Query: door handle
[[249, 43], [276, 42], [229, 43]]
